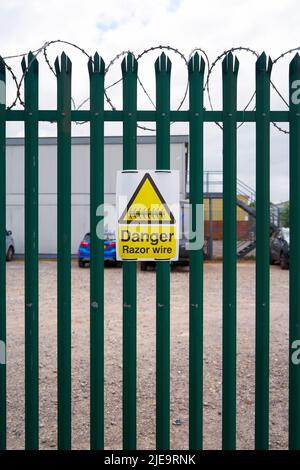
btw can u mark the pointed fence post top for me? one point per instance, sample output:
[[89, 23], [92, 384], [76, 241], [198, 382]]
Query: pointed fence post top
[[294, 84], [196, 64], [230, 64], [96, 64], [31, 65], [295, 65], [2, 70], [264, 64], [163, 64], [2, 83], [64, 65], [129, 64]]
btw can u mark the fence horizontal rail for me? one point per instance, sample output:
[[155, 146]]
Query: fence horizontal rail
[[147, 116]]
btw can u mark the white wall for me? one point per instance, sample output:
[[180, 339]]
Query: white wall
[[146, 156]]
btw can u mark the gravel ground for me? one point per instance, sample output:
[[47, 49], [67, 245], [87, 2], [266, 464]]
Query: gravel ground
[[146, 356]]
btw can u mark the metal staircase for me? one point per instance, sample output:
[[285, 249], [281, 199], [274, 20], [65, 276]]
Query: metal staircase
[[249, 209], [213, 188], [244, 247]]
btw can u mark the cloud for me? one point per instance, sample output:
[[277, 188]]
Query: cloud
[[106, 26], [174, 5]]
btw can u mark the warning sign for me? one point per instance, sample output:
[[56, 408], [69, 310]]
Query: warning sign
[[147, 205], [148, 215]]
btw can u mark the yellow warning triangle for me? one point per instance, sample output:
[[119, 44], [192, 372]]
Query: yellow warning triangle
[[147, 205]]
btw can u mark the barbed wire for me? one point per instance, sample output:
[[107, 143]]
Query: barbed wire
[[207, 88]]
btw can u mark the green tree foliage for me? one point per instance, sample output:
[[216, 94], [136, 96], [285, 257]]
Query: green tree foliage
[[285, 215]]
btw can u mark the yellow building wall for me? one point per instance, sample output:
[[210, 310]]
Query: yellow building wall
[[217, 209]]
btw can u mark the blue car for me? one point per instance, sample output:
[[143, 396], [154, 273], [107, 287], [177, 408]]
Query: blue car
[[84, 252]]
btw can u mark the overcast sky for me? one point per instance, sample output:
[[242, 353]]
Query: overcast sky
[[135, 25]]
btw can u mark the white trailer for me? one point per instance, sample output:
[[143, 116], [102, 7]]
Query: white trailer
[[146, 157]]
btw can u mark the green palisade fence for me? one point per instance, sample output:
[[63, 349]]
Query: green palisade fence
[[263, 71], [230, 70], [163, 73], [2, 258], [31, 254], [63, 72], [196, 79], [96, 71], [129, 72], [294, 333], [162, 116]]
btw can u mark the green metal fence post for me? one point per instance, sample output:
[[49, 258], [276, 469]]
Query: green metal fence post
[[294, 333], [196, 76], [96, 71], [163, 75], [63, 72], [263, 71], [2, 256], [230, 71], [31, 254], [129, 73]]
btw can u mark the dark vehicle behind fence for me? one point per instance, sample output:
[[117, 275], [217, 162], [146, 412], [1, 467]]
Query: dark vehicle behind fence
[[10, 246], [280, 248]]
